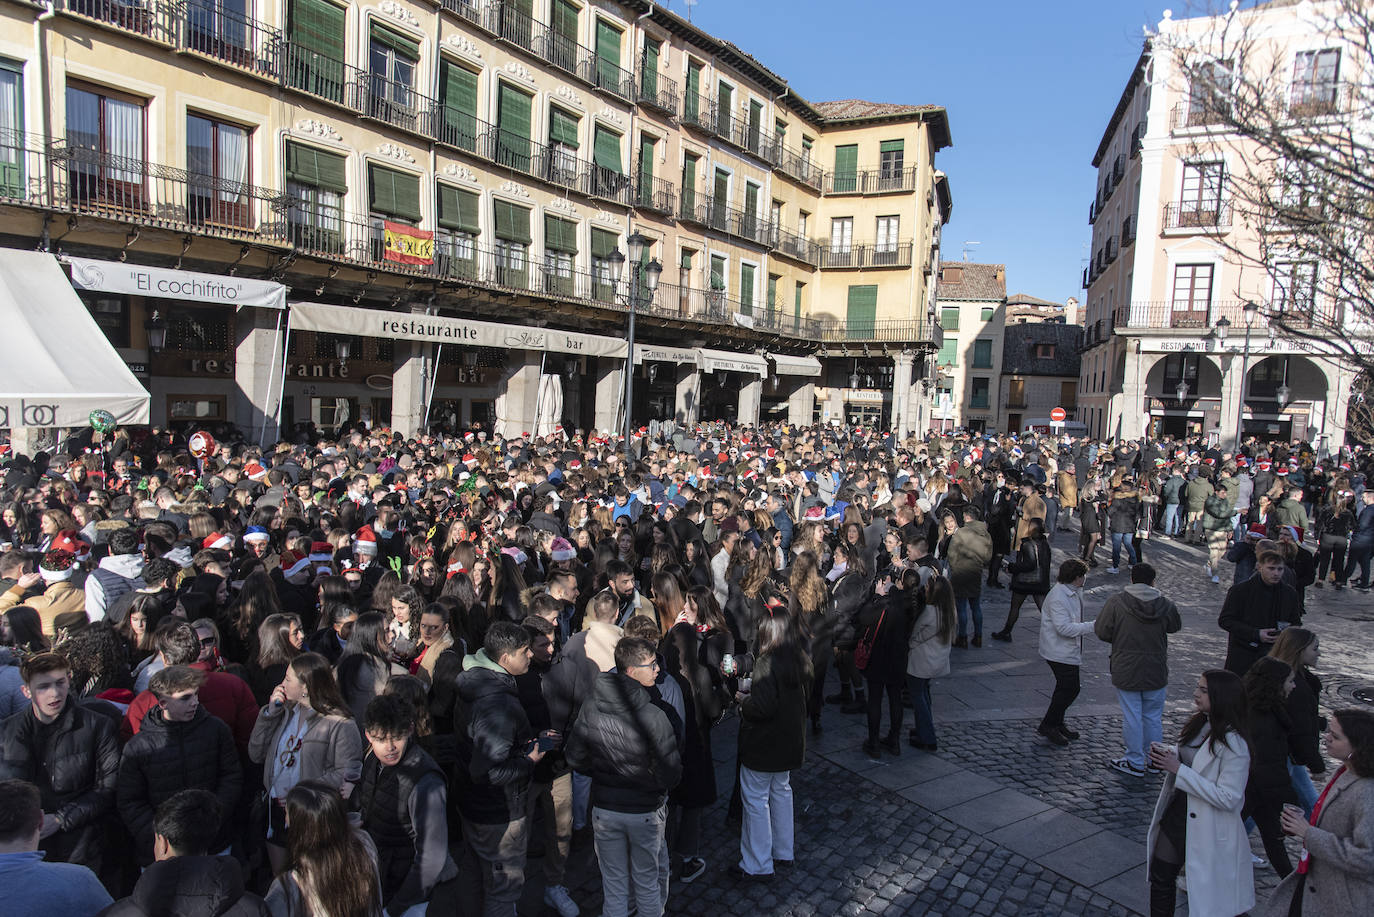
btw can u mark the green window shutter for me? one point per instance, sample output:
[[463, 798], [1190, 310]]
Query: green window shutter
[[513, 128], [797, 301], [648, 83], [393, 193], [982, 354], [562, 128], [316, 168], [717, 272], [402, 45], [691, 105], [458, 92], [458, 210], [686, 263], [725, 104], [560, 235], [512, 222], [317, 26], [722, 189], [607, 54], [606, 149], [772, 302], [755, 123], [846, 167], [689, 184], [987, 313], [949, 353], [646, 159], [751, 200], [603, 243], [862, 309], [892, 146], [564, 20], [746, 289], [949, 318]]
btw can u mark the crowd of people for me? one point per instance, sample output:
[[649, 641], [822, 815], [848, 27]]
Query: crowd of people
[[363, 674]]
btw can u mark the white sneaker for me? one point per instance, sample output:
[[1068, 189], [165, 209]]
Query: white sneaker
[[1206, 569], [556, 897], [1216, 579], [1258, 860], [1113, 570]]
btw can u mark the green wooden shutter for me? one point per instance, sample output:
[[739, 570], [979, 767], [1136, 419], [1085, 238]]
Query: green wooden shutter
[[746, 289], [603, 243], [512, 222], [949, 353], [846, 167], [607, 55], [717, 272], [513, 128], [606, 149], [646, 170], [560, 235], [648, 77], [315, 32], [458, 91], [316, 168], [862, 310], [949, 318], [751, 200], [725, 104], [772, 302], [689, 185], [562, 127], [982, 354], [393, 193], [755, 123], [401, 44], [564, 21], [458, 210], [722, 189], [691, 104], [892, 146]]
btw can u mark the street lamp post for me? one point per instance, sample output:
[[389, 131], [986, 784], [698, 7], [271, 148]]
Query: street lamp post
[[641, 294], [1251, 309]]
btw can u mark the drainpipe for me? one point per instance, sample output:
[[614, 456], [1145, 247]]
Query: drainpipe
[[40, 40]]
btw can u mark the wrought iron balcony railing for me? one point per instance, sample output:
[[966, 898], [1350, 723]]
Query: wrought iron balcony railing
[[870, 181], [1203, 216], [892, 254]]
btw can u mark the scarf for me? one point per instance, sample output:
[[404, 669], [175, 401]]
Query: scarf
[[1316, 814]]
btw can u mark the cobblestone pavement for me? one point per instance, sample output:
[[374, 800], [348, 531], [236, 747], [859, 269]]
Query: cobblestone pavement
[[998, 821]]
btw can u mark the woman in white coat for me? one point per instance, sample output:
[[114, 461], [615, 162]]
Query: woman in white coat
[[1062, 630], [928, 651], [1196, 823]]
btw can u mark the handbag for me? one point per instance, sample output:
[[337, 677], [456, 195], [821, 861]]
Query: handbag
[[864, 651]]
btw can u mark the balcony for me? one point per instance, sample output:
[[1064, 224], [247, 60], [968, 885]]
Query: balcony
[[153, 19], [1109, 251], [655, 195], [1159, 316], [797, 165], [606, 76], [892, 254], [869, 181], [558, 166], [564, 53], [700, 113], [750, 138], [229, 38], [657, 91], [1128, 229], [891, 331], [796, 247], [1118, 170], [1193, 114], [722, 217], [510, 24], [1319, 100], [1197, 216], [468, 10]]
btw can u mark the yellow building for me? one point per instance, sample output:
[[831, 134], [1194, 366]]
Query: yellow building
[[477, 163]]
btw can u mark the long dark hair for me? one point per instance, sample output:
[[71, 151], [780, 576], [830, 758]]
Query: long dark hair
[[314, 672], [26, 629], [274, 640], [780, 640], [1358, 726], [256, 602], [940, 593], [327, 856], [366, 638], [1264, 686], [1228, 711]]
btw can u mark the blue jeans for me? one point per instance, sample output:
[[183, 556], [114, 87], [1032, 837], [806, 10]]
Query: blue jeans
[[962, 607], [1172, 522], [1142, 722], [1302, 783], [1119, 539], [919, 689]]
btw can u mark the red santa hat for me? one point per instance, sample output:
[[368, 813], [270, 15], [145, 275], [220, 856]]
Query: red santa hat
[[1264, 465], [254, 471], [469, 459], [72, 543], [321, 552], [365, 541], [217, 542], [293, 563], [561, 549]]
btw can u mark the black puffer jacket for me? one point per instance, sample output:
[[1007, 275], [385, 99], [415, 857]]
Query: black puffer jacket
[[165, 758], [1269, 747], [1030, 572], [76, 774], [190, 886], [626, 745], [772, 732], [493, 735], [1307, 723]]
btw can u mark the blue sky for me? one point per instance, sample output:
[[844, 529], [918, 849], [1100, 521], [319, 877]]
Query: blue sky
[[1029, 88]]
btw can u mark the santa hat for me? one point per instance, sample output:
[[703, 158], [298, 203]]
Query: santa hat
[[216, 541], [1241, 462], [321, 552], [469, 459], [1264, 465], [561, 549], [815, 512], [1257, 530], [1281, 472], [254, 471], [56, 566], [575, 465], [71, 542], [293, 563], [1294, 532], [256, 533], [365, 542]]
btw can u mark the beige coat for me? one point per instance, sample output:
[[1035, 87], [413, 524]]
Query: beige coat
[[1033, 507], [59, 598], [1341, 848]]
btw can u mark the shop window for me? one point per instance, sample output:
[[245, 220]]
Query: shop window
[[199, 330], [111, 313], [185, 408]]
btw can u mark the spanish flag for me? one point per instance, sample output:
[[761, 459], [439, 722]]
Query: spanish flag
[[407, 244]]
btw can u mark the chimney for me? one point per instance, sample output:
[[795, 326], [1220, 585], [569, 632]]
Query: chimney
[[1071, 311]]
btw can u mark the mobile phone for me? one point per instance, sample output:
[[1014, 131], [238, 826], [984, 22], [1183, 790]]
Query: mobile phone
[[548, 742]]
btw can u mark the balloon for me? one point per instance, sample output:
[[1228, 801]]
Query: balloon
[[202, 444], [102, 421]]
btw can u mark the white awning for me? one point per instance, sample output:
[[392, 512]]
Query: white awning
[[58, 364], [443, 329], [165, 283], [664, 354], [788, 365], [712, 360]]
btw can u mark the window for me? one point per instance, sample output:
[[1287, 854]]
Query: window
[[392, 194], [513, 128], [807, 143], [195, 407], [458, 116], [978, 393], [644, 192], [198, 329], [512, 231], [986, 313], [516, 22], [771, 303], [219, 28], [1315, 81], [648, 71], [797, 301], [217, 159], [720, 200], [725, 107], [391, 59], [780, 133], [755, 136], [459, 227], [106, 131], [775, 215], [560, 251], [891, 154], [803, 223], [841, 234], [608, 56], [562, 49], [111, 313], [1201, 197], [315, 181], [949, 318], [1016, 393], [718, 272], [1180, 367], [607, 175], [691, 102], [563, 144], [746, 289], [846, 177], [1295, 286], [1209, 96], [689, 184], [749, 222], [949, 353], [11, 130], [887, 234], [715, 296], [1044, 351], [862, 310], [982, 353], [315, 48], [603, 282], [1192, 293]]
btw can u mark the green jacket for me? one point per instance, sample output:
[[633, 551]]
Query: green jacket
[[1288, 512], [1196, 493], [1216, 514]]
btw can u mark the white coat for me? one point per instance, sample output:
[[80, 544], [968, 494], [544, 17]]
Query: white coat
[[927, 655], [1221, 881], [1062, 628]]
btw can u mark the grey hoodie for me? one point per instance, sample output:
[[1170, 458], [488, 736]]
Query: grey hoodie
[[116, 575], [1137, 622]]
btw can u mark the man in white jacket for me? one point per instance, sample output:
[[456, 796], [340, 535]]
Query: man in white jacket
[[119, 572], [1062, 630]]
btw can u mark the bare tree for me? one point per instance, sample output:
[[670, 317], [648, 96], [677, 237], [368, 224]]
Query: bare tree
[[1301, 131], [1359, 425]]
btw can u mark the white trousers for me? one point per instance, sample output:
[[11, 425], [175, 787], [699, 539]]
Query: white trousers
[[767, 834]]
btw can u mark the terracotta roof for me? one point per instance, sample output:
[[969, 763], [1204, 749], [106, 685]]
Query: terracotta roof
[[1025, 299], [1018, 349], [853, 109], [960, 280]]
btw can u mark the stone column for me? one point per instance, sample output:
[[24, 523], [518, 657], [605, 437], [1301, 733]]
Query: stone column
[[836, 404], [801, 405], [408, 387], [901, 394], [687, 400], [750, 396], [1231, 405], [522, 394], [1332, 424], [257, 371], [1133, 394], [610, 394]]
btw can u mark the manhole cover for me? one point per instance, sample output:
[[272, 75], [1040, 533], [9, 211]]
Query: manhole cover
[[1364, 695], [1348, 689]]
